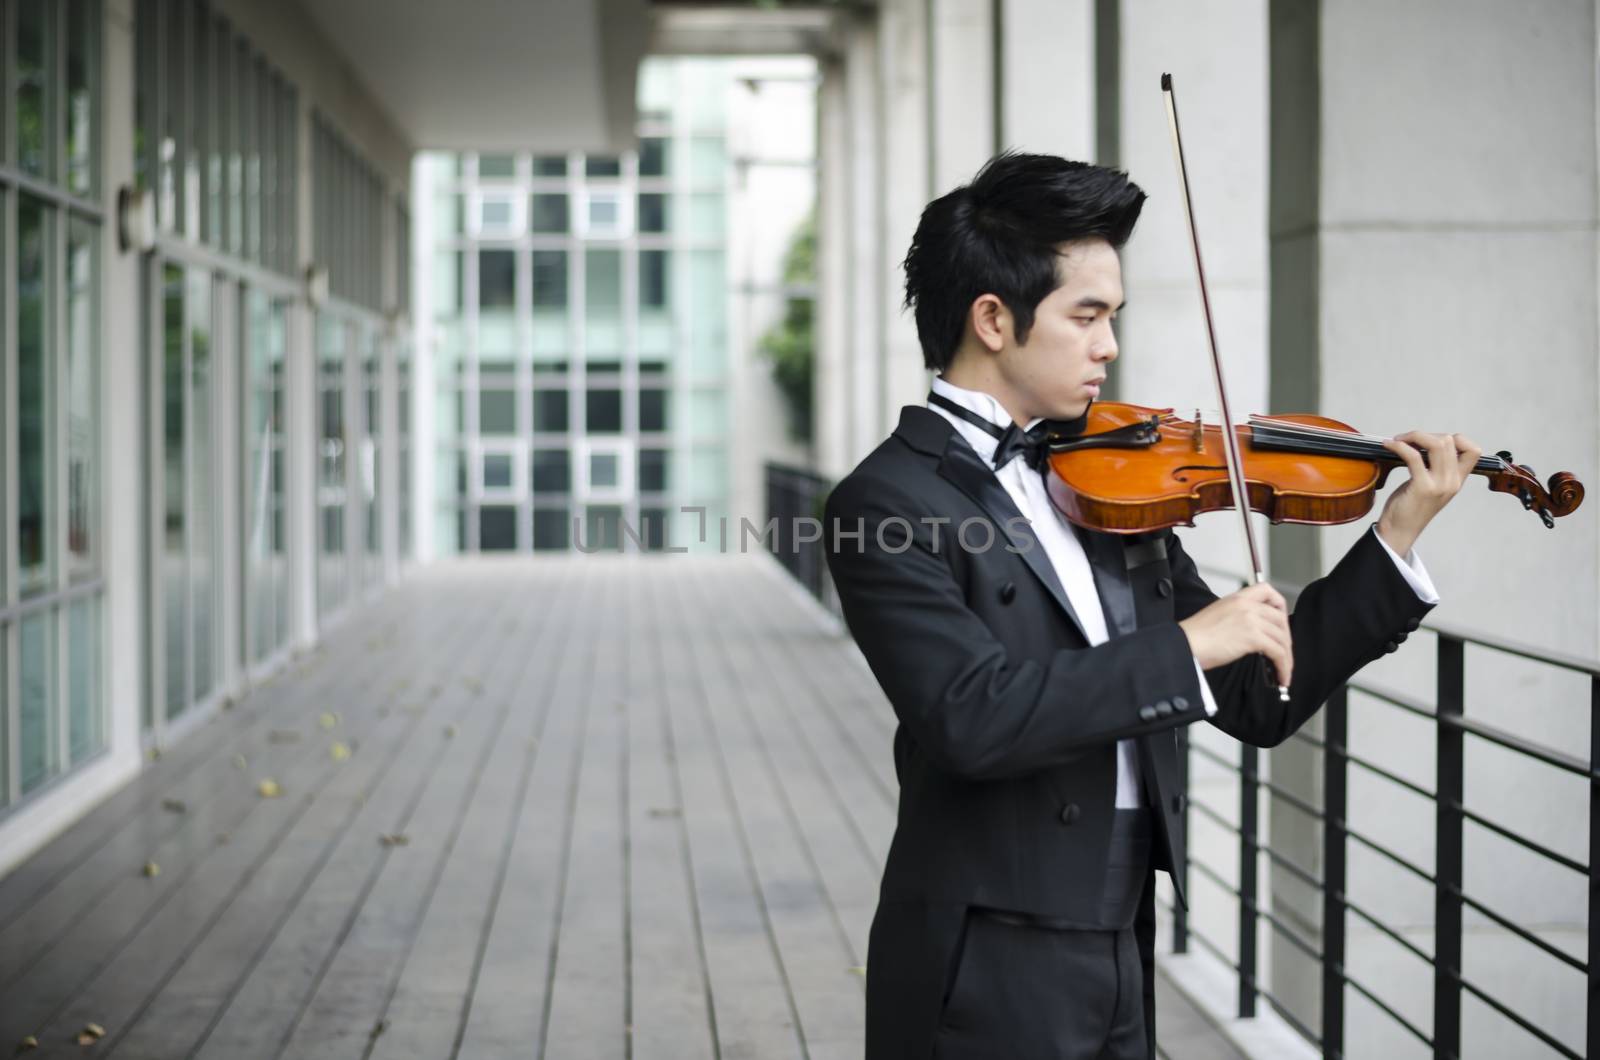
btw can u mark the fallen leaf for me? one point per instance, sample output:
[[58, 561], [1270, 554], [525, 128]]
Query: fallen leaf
[[339, 752], [93, 1030], [378, 1028], [327, 721], [154, 753], [30, 1042], [857, 969], [269, 789], [151, 869], [240, 761], [395, 839], [174, 806]]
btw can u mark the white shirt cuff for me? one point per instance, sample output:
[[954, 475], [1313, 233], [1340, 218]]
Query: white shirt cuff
[[1205, 690], [1411, 569]]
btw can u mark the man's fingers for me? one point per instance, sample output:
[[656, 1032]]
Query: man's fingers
[[1467, 454], [1401, 446]]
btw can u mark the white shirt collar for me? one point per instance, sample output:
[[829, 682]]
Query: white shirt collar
[[985, 405]]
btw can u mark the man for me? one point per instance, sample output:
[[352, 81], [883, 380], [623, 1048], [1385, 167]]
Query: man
[[1038, 672]]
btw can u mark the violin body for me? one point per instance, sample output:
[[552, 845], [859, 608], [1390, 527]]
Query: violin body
[[1156, 471]]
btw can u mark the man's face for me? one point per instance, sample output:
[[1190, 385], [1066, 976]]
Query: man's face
[[1071, 344]]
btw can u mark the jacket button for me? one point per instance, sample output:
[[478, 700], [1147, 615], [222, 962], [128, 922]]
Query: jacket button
[[1400, 638], [1008, 592], [1178, 803], [1069, 813], [1391, 646], [1179, 703], [1164, 586], [1413, 623], [1147, 713], [1164, 708]]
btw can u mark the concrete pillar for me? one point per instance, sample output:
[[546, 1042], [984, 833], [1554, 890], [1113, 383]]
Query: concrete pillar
[[300, 418], [1045, 76], [1434, 266], [867, 253], [833, 375], [907, 174]]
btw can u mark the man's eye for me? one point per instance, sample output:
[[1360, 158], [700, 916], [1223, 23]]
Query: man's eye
[[1085, 321]]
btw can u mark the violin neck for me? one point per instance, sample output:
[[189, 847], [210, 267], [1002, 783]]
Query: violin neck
[[1285, 436]]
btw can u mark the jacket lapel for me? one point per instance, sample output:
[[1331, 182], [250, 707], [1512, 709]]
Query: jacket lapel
[[962, 467], [1106, 560]]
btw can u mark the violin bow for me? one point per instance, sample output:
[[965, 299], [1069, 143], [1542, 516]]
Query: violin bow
[[1230, 440]]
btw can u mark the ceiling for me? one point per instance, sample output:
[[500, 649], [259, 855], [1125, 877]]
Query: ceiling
[[514, 74]]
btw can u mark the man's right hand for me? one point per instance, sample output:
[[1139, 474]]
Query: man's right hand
[[1254, 620]]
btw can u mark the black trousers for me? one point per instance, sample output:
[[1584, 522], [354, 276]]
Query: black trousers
[[1022, 988]]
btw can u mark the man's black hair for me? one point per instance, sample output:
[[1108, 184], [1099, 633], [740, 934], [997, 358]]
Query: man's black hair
[[999, 235]]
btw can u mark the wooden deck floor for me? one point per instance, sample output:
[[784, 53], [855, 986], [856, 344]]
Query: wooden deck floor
[[592, 807]]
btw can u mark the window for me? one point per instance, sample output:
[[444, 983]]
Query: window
[[652, 212], [550, 410], [602, 166], [549, 165], [605, 214], [552, 471], [653, 278], [497, 279], [496, 167], [550, 212], [652, 410], [497, 411], [499, 214], [552, 529], [652, 156], [550, 279], [501, 471], [604, 411], [606, 467], [653, 476], [497, 528]]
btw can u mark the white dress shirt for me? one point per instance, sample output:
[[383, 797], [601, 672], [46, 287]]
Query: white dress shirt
[[1066, 555]]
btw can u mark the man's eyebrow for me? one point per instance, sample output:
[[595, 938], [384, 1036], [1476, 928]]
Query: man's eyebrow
[[1090, 302]]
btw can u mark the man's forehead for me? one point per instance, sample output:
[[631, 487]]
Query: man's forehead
[[1089, 270]]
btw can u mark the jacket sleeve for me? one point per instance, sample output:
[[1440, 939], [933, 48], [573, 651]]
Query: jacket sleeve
[[1352, 615], [969, 707]]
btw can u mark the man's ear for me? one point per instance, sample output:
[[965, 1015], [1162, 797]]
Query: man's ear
[[990, 321]]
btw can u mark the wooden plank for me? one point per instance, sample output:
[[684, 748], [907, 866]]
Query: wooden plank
[[177, 1018], [270, 1000], [753, 1011], [510, 999], [589, 976], [815, 953], [424, 1014], [670, 1014], [69, 941]]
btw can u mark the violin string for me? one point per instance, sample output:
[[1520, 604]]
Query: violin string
[[1344, 443]]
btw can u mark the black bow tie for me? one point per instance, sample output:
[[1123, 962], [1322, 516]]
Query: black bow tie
[[1033, 444]]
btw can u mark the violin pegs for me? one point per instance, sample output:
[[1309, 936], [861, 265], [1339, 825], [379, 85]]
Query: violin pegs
[[1549, 520], [1505, 454]]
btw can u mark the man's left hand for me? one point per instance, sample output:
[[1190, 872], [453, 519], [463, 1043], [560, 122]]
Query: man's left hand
[[1451, 458]]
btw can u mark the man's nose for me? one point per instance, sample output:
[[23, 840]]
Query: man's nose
[[1106, 349]]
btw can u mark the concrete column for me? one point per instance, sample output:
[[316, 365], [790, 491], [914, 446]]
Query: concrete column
[[1436, 256], [906, 166], [864, 116], [1045, 93], [833, 376]]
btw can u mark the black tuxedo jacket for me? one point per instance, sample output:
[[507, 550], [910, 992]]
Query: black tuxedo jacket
[[1008, 719]]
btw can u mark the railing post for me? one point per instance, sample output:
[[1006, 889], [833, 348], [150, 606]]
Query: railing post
[[1180, 914], [1594, 887], [1249, 783], [1335, 768], [1447, 866]]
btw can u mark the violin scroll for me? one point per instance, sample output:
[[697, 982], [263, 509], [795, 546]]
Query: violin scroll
[[1560, 497]]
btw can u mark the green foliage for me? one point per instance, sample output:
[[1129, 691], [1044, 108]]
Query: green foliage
[[790, 344]]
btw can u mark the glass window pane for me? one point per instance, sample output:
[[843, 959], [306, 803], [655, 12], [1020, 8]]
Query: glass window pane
[[331, 568], [604, 411], [202, 550], [80, 100], [85, 714], [174, 558], [497, 279], [708, 160], [83, 433], [497, 166], [652, 212], [497, 528], [32, 86], [550, 304], [707, 215], [449, 214], [497, 411], [604, 470], [653, 528], [497, 474], [549, 212], [549, 165], [654, 278], [602, 166], [36, 529], [602, 528], [653, 156], [652, 410], [552, 529], [496, 214], [550, 410], [707, 295], [603, 308], [653, 477], [37, 735], [552, 471]]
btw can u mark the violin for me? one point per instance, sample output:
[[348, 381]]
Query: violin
[[1135, 469]]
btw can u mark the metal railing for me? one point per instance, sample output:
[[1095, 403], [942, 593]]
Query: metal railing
[[794, 499], [1451, 730]]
